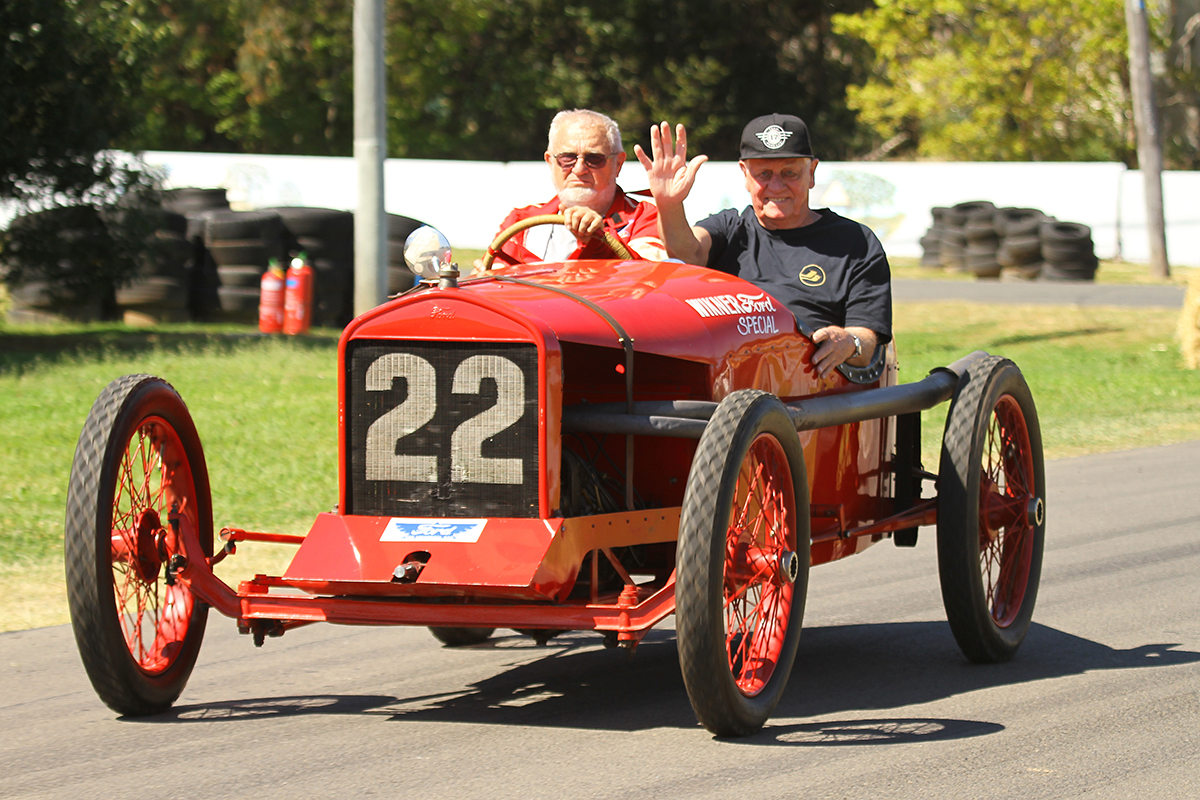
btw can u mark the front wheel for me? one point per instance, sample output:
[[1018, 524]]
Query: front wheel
[[743, 561], [138, 481], [991, 511]]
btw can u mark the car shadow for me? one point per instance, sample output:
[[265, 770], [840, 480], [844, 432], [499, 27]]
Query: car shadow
[[840, 670]]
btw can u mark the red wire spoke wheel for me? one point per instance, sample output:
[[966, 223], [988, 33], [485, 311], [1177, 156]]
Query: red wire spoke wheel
[[138, 482], [991, 511], [742, 573]]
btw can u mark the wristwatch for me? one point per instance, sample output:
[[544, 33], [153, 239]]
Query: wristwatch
[[857, 345]]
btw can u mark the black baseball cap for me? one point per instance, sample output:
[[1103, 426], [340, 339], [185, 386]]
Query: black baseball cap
[[776, 136]]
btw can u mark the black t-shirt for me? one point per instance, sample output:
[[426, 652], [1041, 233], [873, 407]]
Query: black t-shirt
[[832, 272]]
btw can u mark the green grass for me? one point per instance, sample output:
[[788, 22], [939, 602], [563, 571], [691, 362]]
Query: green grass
[[1103, 379], [266, 410]]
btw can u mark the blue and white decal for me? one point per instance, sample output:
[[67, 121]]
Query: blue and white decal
[[401, 529]]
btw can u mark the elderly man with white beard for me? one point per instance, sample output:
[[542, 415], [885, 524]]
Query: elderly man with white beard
[[585, 156]]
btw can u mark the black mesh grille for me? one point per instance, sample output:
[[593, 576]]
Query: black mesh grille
[[442, 429]]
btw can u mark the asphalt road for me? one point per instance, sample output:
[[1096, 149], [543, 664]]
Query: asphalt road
[[1103, 700]]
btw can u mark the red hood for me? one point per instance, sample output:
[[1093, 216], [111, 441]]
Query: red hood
[[667, 308]]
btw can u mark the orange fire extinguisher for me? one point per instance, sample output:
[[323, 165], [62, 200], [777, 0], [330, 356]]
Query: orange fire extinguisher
[[298, 297], [270, 299]]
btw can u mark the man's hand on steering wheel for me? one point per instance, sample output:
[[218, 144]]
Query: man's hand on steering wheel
[[582, 222]]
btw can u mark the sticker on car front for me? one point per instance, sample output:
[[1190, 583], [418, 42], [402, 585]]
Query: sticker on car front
[[432, 530]]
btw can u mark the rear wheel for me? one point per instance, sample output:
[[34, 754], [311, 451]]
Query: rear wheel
[[991, 511], [743, 564], [137, 480]]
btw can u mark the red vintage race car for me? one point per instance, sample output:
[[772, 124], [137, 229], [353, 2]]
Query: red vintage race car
[[591, 445]]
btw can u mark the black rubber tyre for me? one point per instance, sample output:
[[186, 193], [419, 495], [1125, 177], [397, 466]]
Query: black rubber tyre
[[1017, 221], [233, 252], [953, 237], [154, 291], [1078, 250], [399, 227], [461, 637], [138, 457], [400, 279], [265, 226], [189, 199], [316, 249], [972, 210], [1082, 270], [240, 301], [303, 221], [991, 511], [1054, 231], [743, 541], [244, 275], [981, 232], [1017, 250]]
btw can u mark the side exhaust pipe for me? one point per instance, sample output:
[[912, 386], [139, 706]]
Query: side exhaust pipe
[[686, 419]]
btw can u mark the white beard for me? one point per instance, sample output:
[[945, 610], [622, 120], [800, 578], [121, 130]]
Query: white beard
[[598, 201]]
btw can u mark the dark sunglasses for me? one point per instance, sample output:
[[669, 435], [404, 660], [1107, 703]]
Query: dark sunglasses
[[590, 160]]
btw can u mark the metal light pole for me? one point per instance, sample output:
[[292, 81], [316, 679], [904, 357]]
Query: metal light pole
[[1145, 119], [370, 149]]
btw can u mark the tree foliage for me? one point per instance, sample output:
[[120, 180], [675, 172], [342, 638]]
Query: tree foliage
[[59, 100], [997, 80], [480, 79]]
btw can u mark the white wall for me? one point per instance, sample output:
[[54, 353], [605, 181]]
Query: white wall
[[468, 199]]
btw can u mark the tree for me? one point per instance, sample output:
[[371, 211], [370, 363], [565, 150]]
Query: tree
[[480, 79], [62, 100], [59, 101], [997, 80]]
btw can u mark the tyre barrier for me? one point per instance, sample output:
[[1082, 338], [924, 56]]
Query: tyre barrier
[[161, 289], [206, 261], [1068, 252], [966, 237], [240, 245], [55, 248], [1011, 243]]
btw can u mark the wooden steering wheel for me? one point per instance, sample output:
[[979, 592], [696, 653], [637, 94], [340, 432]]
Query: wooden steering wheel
[[616, 245]]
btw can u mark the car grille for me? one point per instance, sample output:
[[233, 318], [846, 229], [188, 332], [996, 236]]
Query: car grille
[[441, 429]]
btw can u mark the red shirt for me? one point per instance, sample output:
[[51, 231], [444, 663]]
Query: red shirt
[[627, 219]]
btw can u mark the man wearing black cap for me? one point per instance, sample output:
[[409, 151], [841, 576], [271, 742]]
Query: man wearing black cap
[[831, 272]]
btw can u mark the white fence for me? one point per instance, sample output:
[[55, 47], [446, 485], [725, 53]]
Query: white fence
[[468, 199]]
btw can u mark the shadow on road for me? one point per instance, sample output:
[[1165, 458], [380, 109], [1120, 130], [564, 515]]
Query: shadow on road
[[840, 670]]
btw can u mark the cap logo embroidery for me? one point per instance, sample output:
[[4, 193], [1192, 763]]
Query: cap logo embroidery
[[812, 275], [773, 137]]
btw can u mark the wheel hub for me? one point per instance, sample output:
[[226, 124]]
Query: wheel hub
[[789, 566], [1036, 512], [148, 558]]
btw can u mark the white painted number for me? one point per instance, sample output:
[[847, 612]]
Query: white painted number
[[383, 464], [467, 462]]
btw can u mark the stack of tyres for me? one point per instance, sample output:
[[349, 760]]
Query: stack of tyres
[[326, 237], [1020, 251], [961, 222], [979, 255], [197, 205], [1068, 253], [160, 290], [63, 241], [931, 242], [400, 278], [242, 244]]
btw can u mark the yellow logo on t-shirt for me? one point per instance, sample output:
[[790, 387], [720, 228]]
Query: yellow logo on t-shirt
[[812, 275]]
